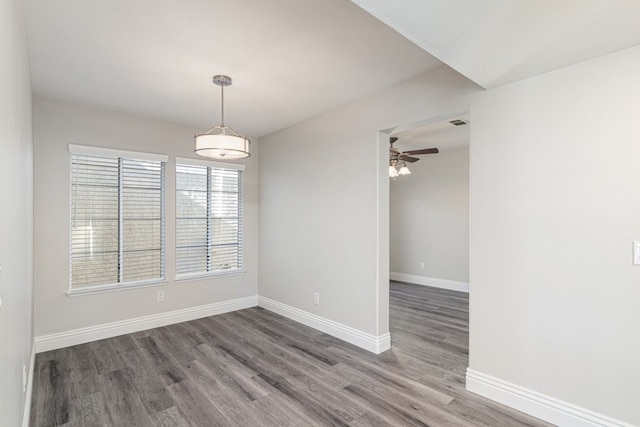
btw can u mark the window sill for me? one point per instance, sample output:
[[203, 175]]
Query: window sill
[[114, 288], [200, 276]]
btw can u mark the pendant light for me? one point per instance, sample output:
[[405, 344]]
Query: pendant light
[[222, 142]]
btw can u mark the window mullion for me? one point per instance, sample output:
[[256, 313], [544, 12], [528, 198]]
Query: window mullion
[[209, 220], [120, 221], [162, 218], [240, 206]]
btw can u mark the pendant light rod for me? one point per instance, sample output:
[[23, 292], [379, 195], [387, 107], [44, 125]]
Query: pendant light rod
[[222, 81], [222, 105]]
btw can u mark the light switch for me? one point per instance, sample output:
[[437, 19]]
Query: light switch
[[636, 252]]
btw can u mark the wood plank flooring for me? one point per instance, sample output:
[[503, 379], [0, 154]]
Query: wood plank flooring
[[256, 368]]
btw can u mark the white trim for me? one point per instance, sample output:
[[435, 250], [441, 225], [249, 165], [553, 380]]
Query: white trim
[[189, 277], [26, 415], [382, 234], [209, 163], [539, 405], [112, 152], [372, 343], [101, 289], [113, 329], [430, 281]]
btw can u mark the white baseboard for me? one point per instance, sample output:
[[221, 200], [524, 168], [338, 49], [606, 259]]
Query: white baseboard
[[108, 330], [430, 281], [372, 343], [26, 414], [541, 406]]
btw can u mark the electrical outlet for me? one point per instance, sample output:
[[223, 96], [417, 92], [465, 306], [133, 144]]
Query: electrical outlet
[[422, 265], [24, 378], [636, 252], [160, 296], [316, 298]]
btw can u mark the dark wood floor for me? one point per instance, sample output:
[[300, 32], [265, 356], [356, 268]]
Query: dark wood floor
[[256, 368]]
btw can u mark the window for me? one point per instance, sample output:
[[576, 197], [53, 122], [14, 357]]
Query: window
[[208, 217], [117, 218]]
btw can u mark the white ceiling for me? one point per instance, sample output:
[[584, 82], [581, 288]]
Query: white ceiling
[[289, 59], [495, 42], [293, 59]]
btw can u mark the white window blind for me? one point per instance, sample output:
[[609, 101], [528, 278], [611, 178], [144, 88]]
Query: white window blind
[[117, 219], [208, 218]]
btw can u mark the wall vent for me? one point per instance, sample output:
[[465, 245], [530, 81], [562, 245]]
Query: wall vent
[[458, 122]]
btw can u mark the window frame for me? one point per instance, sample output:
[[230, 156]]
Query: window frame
[[120, 155], [184, 161]]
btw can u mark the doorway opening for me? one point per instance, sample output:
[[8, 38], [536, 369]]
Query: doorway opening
[[429, 207], [428, 244]]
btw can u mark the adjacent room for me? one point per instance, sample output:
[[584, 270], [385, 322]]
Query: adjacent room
[[204, 220]]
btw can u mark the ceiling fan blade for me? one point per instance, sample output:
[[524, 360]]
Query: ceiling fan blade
[[408, 159], [423, 151]]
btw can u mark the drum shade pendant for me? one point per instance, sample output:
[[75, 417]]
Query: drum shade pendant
[[222, 142]]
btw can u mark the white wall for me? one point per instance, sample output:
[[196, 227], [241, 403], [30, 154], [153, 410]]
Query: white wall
[[555, 301], [56, 124], [429, 217], [16, 212], [324, 201]]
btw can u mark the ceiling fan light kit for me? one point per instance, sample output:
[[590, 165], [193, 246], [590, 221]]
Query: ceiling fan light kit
[[404, 170], [222, 142], [398, 160]]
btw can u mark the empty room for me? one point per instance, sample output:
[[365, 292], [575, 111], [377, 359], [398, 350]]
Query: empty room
[[319, 212]]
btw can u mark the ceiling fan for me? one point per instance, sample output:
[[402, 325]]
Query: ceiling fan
[[399, 159]]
